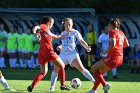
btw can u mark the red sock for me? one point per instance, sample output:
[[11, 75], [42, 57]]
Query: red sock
[[100, 77], [37, 79], [96, 84], [61, 75]]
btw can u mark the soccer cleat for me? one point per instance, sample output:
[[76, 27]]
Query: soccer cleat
[[29, 89], [51, 89], [91, 91], [65, 87], [106, 87]]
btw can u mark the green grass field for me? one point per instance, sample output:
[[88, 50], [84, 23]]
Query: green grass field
[[20, 79]]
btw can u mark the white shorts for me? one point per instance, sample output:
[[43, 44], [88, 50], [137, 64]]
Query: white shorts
[[67, 59]]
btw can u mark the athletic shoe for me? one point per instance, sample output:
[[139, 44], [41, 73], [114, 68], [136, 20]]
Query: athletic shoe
[[29, 89], [91, 91], [51, 89], [106, 87], [65, 87]]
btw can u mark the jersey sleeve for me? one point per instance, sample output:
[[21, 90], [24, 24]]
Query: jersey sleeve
[[112, 35], [100, 39], [78, 35]]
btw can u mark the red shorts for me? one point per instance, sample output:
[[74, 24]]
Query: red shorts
[[112, 62], [45, 57]]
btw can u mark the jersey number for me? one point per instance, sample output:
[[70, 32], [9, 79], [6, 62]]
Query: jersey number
[[121, 39]]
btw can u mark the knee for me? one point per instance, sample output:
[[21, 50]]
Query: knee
[[93, 69], [62, 65], [44, 72]]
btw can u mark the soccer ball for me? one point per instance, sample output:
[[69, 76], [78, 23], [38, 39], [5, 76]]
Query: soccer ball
[[75, 83]]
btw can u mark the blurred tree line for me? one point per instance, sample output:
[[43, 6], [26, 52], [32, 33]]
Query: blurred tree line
[[101, 6]]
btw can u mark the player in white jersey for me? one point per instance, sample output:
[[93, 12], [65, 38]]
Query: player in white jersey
[[69, 53], [103, 44]]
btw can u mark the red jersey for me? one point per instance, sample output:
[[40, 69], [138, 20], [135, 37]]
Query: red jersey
[[119, 38], [115, 55], [46, 52], [46, 40]]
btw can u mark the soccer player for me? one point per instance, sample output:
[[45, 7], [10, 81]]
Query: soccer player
[[91, 40], [103, 43], [36, 49], [4, 83], [12, 47], [117, 41], [21, 42], [28, 49], [69, 53], [46, 52], [3, 39]]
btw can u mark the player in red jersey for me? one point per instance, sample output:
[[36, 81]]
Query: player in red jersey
[[46, 52], [117, 41]]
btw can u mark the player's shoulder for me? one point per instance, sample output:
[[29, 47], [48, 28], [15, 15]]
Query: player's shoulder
[[75, 31], [121, 32], [63, 32]]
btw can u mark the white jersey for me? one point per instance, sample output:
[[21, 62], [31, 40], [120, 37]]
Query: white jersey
[[104, 40], [68, 43]]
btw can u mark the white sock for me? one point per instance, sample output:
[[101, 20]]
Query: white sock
[[21, 62], [87, 74], [2, 63], [4, 82], [14, 62], [54, 77], [114, 70], [32, 58], [30, 63], [10, 62], [105, 74]]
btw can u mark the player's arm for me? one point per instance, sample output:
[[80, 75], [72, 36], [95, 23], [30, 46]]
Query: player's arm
[[82, 42], [112, 43], [99, 46], [58, 48], [59, 36], [36, 30], [125, 44], [85, 45]]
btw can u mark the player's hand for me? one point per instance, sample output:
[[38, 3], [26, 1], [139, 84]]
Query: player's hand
[[102, 53], [59, 48], [88, 49], [36, 29]]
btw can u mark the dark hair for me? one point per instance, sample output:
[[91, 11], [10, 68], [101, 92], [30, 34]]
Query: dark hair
[[46, 19], [63, 27], [115, 23]]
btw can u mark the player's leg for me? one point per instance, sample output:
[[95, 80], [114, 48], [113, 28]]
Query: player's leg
[[43, 72], [3, 81], [137, 65], [61, 73], [76, 62], [2, 60], [105, 75], [54, 77], [114, 72], [98, 69]]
